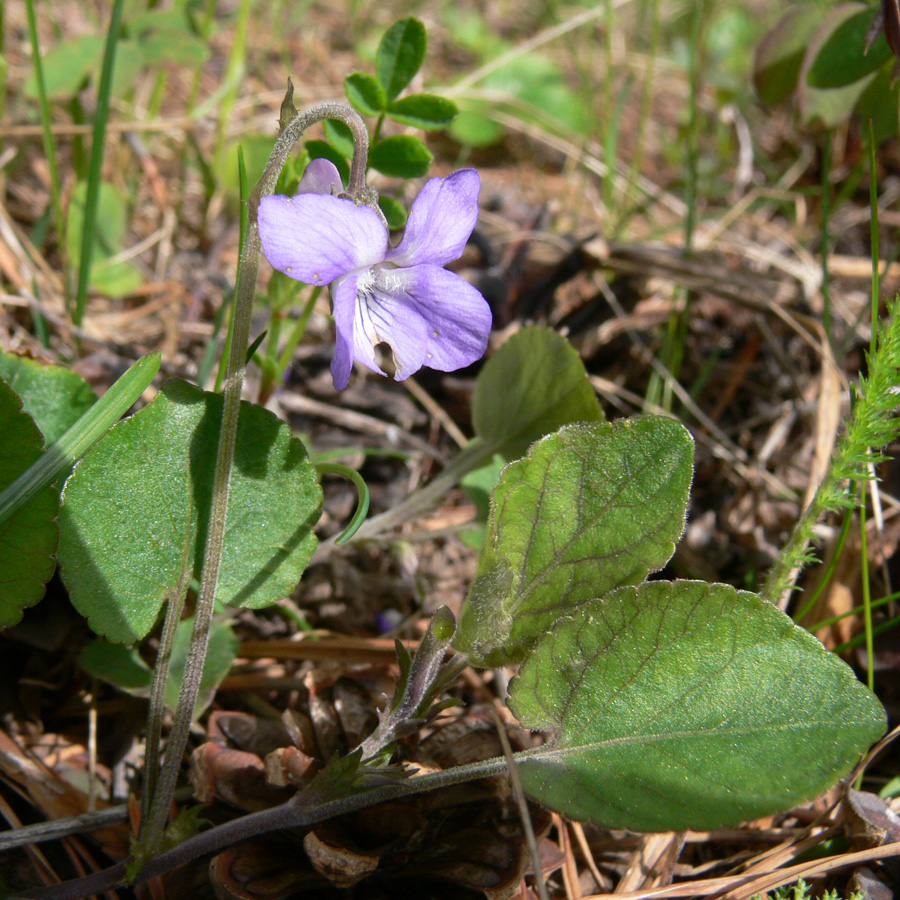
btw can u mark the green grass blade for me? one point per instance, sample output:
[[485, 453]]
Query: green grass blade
[[95, 172], [245, 193], [59, 219], [362, 507], [62, 454]]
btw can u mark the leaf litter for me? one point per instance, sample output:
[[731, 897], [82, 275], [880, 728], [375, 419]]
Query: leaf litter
[[759, 388]]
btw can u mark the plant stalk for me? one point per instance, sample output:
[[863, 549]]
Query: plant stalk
[[245, 290]]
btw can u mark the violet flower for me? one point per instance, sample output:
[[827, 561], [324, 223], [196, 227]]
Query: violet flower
[[399, 296]]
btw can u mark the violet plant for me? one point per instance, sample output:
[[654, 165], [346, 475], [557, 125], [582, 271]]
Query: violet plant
[[666, 704], [399, 296]]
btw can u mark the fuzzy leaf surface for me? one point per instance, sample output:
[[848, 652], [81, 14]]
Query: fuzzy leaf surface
[[136, 508], [29, 537], [531, 386], [54, 396], [677, 705], [591, 508]]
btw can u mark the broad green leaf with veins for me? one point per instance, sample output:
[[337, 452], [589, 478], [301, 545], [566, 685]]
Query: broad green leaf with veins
[[591, 508], [686, 705], [533, 385], [28, 539], [136, 508]]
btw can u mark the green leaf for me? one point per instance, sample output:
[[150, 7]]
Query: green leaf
[[165, 36], [536, 91], [220, 655], [591, 508], [400, 55], [365, 93], [830, 105], [394, 212], [842, 57], [686, 705], [28, 538], [129, 64], [539, 81], [339, 136], [880, 102], [780, 53], [423, 111], [58, 459], [124, 668], [474, 129], [66, 66], [113, 278], [117, 665], [54, 396], [479, 483], [136, 508], [531, 386], [400, 156]]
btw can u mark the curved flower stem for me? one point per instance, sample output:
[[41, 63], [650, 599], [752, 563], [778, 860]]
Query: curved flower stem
[[300, 811], [248, 267]]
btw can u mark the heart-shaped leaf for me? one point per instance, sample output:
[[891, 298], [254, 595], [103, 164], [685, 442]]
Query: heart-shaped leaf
[[880, 104], [220, 655], [136, 509], [830, 104], [28, 538], [686, 705], [54, 396], [591, 508], [66, 66], [125, 668], [118, 665], [532, 385], [842, 58]]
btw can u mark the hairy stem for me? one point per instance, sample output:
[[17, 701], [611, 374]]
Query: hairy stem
[[298, 812], [245, 291]]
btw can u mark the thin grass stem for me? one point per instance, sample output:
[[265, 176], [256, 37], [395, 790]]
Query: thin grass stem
[[827, 318], [236, 65], [95, 171], [59, 219]]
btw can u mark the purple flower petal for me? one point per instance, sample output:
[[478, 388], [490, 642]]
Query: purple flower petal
[[343, 293], [316, 238], [441, 219], [458, 318], [320, 177], [385, 316]]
